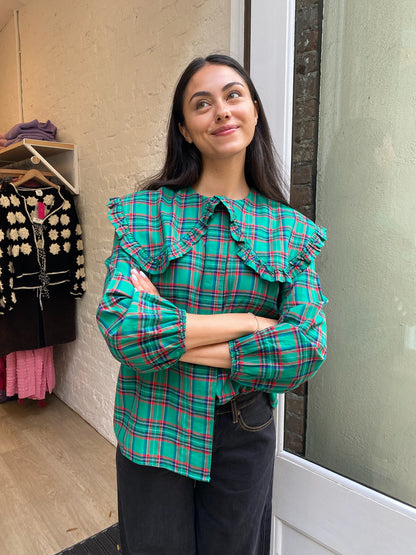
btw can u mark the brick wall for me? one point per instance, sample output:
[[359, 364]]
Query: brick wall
[[304, 155]]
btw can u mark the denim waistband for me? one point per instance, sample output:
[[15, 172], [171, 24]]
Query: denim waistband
[[238, 402]]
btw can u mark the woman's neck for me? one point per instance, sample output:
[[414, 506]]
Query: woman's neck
[[223, 178]]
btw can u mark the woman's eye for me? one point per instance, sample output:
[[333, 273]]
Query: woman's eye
[[202, 104], [234, 94]]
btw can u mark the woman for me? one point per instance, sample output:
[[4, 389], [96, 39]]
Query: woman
[[213, 307]]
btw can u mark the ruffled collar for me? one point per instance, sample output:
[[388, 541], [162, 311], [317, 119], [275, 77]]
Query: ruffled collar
[[156, 227]]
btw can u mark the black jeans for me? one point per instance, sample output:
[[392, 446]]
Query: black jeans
[[164, 513]]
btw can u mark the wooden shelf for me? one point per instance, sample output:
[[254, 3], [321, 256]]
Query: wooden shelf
[[59, 158], [19, 151]]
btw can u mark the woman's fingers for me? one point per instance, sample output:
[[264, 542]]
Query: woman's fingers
[[266, 322], [141, 282], [134, 278]]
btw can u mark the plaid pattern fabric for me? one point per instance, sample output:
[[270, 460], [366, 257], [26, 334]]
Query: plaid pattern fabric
[[205, 255]]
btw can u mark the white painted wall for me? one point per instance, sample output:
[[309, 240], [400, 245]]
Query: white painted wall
[[9, 105], [104, 72]]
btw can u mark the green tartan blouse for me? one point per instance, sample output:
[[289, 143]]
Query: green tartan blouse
[[205, 255]]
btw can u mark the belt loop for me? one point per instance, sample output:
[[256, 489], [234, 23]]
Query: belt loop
[[234, 410]]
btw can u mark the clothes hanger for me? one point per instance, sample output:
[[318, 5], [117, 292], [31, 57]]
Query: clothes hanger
[[18, 173], [11, 173], [36, 175]]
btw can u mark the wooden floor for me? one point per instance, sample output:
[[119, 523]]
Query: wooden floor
[[57, 479]]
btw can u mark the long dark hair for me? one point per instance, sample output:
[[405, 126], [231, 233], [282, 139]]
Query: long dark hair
[[183, 163]]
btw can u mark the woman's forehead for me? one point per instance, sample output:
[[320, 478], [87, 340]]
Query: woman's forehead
[[212, 77]]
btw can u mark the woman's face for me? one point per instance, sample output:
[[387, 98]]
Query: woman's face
[[220, 116]]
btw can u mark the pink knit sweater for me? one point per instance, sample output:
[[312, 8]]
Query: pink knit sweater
[[30, 373]]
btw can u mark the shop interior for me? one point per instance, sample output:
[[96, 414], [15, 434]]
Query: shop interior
[[83, 114]]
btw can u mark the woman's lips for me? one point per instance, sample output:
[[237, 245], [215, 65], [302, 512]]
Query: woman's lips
[[225, 130]]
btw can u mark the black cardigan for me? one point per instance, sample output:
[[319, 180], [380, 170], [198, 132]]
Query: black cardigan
[[41, 267]]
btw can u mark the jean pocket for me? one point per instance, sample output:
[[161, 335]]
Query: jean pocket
[[256, 416]]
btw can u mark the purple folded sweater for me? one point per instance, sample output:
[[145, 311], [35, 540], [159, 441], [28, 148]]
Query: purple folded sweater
[[31, 130]]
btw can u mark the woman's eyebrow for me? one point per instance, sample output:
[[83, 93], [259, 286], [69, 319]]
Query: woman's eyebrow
[[225, 87]]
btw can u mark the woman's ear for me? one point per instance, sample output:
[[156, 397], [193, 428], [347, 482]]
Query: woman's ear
[[184, 133], [256, 106]]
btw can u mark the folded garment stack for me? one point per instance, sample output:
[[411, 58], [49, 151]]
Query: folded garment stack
[[44, 131]]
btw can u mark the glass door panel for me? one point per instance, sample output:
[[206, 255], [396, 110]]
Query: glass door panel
[[361, 409]]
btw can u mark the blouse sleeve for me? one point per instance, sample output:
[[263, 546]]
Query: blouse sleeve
[[284, 356], [143, 331]]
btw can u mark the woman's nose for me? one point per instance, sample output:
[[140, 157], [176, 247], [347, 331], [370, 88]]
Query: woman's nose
[[222, 112]]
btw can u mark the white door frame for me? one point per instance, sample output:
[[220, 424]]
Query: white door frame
[[272, 66], [316, 511], [335, 512]]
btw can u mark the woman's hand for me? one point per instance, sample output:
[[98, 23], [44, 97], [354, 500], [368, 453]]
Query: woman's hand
[[265, 322], [142, 283]]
